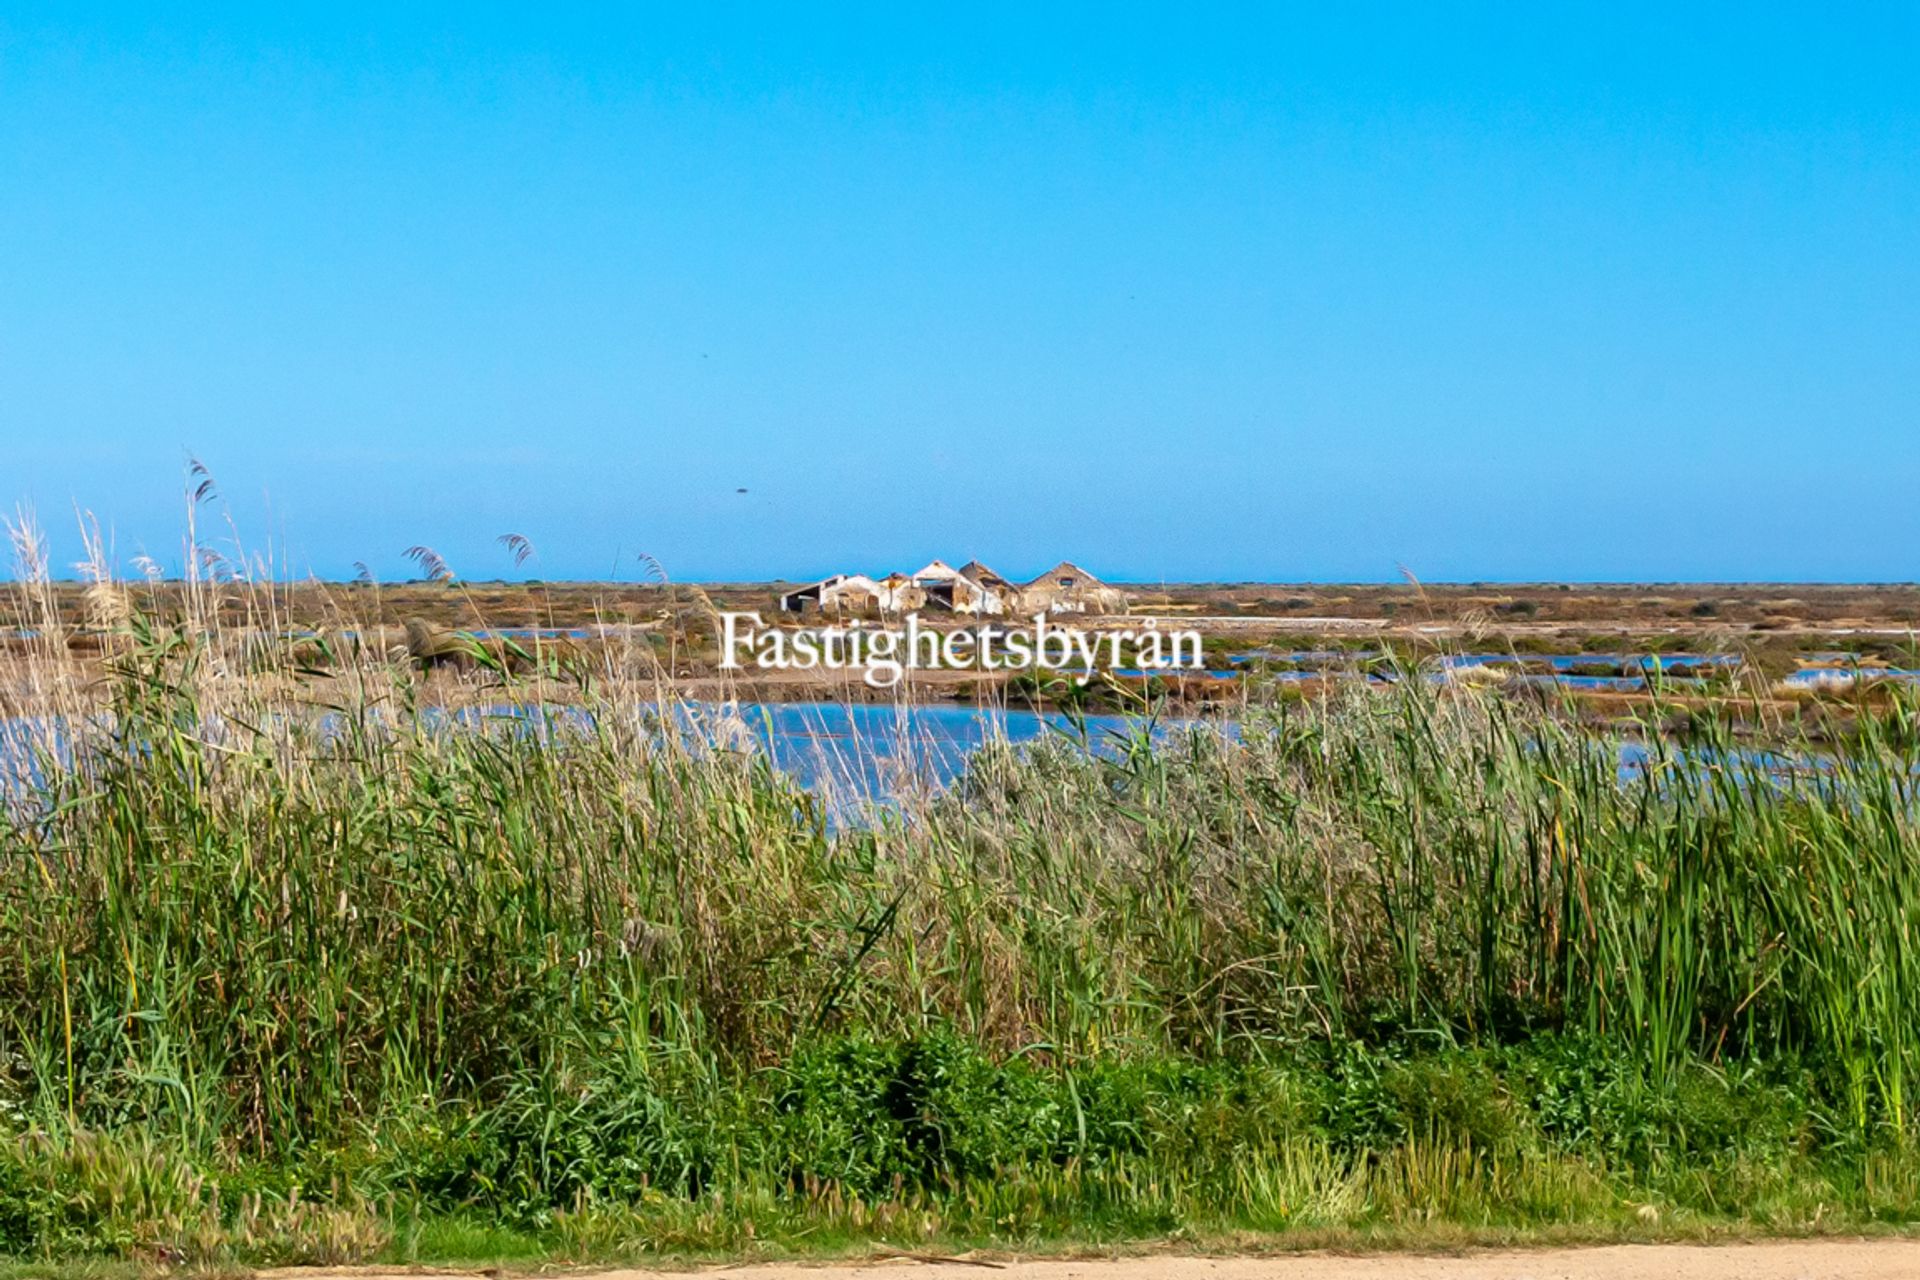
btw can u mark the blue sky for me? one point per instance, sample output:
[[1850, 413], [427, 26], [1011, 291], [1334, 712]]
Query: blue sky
[[1277, 292]]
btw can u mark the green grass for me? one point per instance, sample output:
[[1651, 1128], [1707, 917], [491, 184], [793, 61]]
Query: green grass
[[1394, 962]]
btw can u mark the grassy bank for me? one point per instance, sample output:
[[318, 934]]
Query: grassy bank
[[289, 981]]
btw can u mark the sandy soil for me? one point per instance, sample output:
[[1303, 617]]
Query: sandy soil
[[1884, 1259]]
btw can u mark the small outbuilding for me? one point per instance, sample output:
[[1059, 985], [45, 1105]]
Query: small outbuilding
[[1067, 588], [995, 584], [801, 599], [899, 594], [855, 593], [974, 589], [835, 593], [949, 588]]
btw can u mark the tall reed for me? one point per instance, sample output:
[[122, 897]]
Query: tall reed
[[260, 910], [265, 919]]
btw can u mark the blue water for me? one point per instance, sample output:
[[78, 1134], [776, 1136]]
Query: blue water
[[860, 755], [1608, 684], [1813, 677], [852, 753], [1568, 661], [530, 633], [871, 750], [1305, 665], [859, 759]]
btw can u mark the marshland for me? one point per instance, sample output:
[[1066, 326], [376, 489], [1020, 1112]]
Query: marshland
[[327, 950]]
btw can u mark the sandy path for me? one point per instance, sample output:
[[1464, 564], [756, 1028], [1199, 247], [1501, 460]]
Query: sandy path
[[1884, 1259]]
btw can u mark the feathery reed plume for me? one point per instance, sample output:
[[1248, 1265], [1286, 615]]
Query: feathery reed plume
[[362, 574], [104, 603], [33, 582], [29, 546], [518, 546], [215, 566], [430, 561], [203, 488]]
